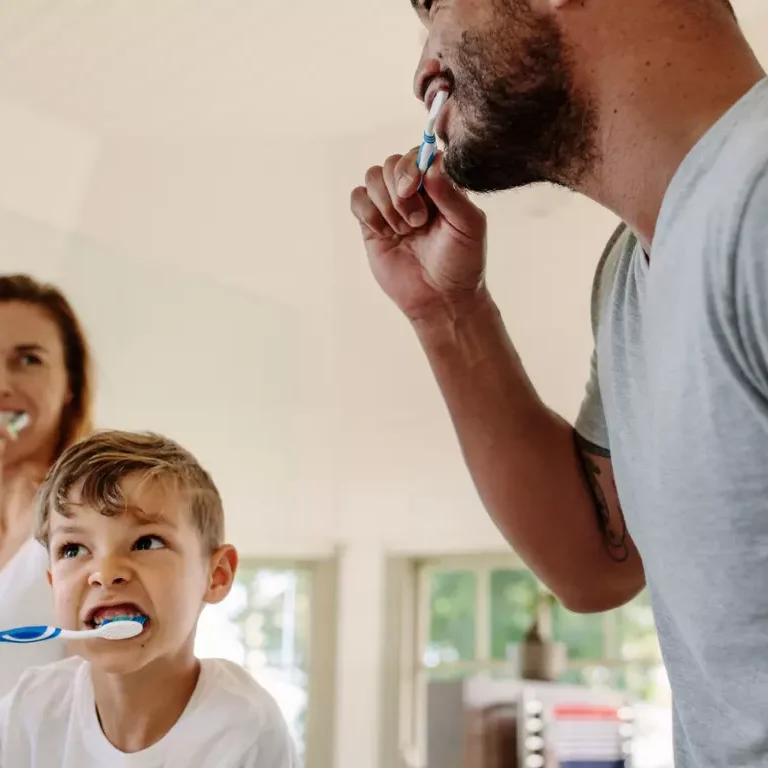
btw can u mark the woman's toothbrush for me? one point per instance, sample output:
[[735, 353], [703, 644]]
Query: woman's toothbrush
[[428, 146], [118, 628], [15, 421]]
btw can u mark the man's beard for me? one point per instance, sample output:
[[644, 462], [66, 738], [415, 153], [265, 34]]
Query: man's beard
[[524, 120]]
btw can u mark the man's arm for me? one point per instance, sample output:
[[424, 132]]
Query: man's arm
[[550, 492], [598, 473]]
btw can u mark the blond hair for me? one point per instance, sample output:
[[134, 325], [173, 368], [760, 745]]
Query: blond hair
[[76, 417], [96, 466]]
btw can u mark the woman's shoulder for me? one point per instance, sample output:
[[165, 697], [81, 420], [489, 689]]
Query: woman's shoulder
[[24, 576], [31, 557]]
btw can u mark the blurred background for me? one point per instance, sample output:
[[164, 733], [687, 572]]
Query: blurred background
[[182, 171]]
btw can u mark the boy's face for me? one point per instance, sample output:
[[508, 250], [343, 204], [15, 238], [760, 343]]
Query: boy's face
[[149, 561]]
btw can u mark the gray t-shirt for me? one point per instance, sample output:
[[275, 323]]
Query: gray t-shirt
[[679, 395]]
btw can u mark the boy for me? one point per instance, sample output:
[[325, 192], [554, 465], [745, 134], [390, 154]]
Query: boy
[[134, 526]]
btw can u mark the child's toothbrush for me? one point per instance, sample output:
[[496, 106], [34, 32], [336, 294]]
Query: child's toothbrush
[[428, 146], [112, 629]]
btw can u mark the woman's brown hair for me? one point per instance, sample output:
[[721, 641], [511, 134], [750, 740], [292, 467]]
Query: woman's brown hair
[[76, 417]]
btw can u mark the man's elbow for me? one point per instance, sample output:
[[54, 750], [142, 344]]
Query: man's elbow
[[599, 598]]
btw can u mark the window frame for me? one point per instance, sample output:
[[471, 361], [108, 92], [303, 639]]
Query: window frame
[[321, 673], [414, 638]]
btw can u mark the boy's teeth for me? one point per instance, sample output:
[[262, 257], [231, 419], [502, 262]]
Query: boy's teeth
[[113, 614], [99, 620]]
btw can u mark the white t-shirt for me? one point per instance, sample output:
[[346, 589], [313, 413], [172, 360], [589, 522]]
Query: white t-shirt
[[26, 599], [230, 722]]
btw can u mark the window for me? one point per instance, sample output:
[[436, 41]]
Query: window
[[472, 613], [267, 624]]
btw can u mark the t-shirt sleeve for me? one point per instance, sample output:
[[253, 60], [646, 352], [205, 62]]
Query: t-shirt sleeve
[[270, 753], [274, 747], [750, 285], [590, 422]]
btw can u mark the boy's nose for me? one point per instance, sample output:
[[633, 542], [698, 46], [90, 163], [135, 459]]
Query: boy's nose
[[108, 572]]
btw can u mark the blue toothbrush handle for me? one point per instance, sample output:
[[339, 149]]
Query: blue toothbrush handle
[[427, 149], [29, 634]]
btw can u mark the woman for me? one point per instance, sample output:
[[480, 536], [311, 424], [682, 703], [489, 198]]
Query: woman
[[45, 373]]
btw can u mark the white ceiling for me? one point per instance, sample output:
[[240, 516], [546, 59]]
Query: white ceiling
[[183, 68], [225, 67]]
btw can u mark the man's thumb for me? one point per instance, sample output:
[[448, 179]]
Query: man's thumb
[[453, 203]]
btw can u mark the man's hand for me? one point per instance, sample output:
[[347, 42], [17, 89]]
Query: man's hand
[[426, 248]]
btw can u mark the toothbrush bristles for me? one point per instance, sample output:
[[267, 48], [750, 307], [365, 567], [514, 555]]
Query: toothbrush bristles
[[121, 629], [434, 111]]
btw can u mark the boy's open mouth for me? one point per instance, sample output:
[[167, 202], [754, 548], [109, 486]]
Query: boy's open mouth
[[122, 611]]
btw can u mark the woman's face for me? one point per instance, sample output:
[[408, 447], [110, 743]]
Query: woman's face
[[33, 378]]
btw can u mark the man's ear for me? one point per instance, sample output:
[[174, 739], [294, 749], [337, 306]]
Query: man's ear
[[49, 577], [223, 567]]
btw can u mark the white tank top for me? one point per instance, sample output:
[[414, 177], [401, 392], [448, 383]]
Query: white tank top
[[25, 599]]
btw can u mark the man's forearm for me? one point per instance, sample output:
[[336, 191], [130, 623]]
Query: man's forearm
[[524, 460]]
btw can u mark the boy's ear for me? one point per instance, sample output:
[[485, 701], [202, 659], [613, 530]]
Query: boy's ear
[[223, 568]]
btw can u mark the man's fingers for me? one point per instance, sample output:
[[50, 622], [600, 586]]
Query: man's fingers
[[403, 180], [381, 198], [407, 175], [453, 203], [369, 215]]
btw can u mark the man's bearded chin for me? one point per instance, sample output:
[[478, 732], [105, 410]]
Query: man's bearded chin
[[523, 121]]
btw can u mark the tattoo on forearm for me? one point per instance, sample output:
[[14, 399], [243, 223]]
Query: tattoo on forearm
[[614, 536]]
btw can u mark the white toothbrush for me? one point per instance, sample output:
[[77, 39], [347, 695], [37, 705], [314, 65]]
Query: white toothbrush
[[428, 146], [113, 629], [15, 420]]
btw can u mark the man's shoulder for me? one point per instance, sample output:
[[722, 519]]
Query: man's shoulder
[[752, 209], [717, 185], [736, 233], [748, 241], [622, 241]]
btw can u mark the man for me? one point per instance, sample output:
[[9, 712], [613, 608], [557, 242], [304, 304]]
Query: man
[[658, 110]]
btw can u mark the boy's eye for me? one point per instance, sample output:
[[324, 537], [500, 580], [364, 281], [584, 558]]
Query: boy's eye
[[149, 542], [71, 550]]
